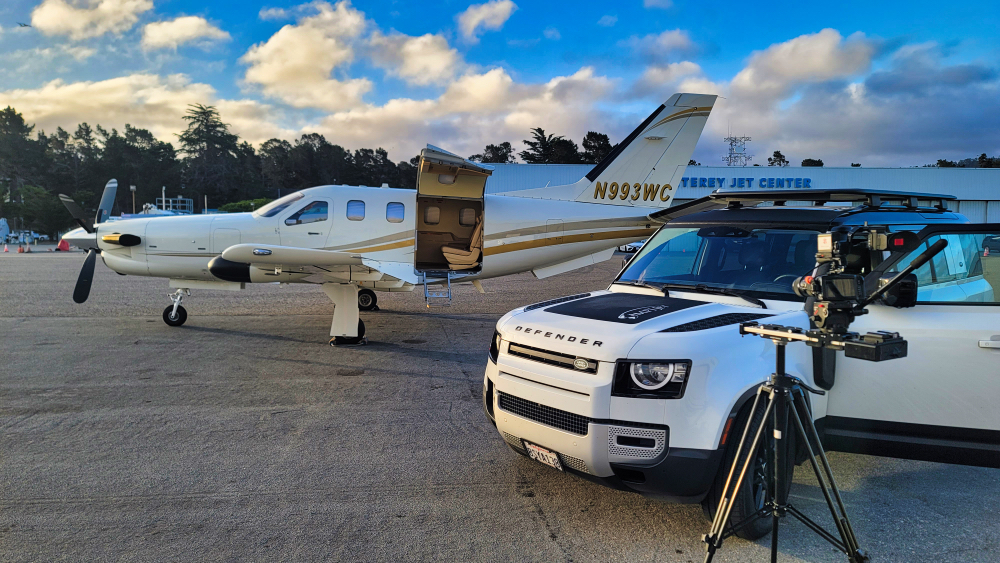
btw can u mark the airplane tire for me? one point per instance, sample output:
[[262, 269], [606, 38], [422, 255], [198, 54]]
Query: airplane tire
[[344, 340], [367, 300], [174, 320]]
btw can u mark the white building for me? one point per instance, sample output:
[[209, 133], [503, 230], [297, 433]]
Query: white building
[[977, 189]]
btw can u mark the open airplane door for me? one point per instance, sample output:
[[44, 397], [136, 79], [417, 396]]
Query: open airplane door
[[449, 232]]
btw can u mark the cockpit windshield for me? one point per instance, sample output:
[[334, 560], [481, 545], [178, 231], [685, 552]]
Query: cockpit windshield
[[278, 205], [756, 262]]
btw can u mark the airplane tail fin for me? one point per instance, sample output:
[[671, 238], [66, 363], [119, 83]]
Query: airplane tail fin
[[645, 168]]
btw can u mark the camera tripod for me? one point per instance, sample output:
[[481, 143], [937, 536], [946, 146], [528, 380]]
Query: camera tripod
[[782, 398]]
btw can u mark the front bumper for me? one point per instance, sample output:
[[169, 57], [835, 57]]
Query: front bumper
[[619, 454]]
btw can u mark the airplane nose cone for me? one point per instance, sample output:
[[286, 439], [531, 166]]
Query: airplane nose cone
[[81, 238]]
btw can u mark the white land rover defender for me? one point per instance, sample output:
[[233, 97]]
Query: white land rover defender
[[644, 386]]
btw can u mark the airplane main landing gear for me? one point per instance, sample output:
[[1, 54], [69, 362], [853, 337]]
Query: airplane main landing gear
[[351, 341], [367, 300], [175, 315]]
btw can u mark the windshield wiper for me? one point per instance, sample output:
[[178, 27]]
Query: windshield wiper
[[646, 285], [702, 288]]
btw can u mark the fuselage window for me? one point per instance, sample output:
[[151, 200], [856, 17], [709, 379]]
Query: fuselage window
[[467, 217], [432, 215], [355, 210], [312, 213], [394, 212]]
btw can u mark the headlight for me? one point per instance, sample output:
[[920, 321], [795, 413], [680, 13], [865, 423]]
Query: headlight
[[495, 346], [654, 379]]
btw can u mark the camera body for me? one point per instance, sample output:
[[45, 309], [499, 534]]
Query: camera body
[[836, 294]]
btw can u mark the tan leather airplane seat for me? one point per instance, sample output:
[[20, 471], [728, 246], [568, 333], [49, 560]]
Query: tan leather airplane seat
[[465, 258]]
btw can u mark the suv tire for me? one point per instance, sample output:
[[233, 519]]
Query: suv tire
[[754, 492]]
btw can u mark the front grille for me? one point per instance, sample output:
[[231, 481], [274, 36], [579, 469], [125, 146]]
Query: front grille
[[556, 301], [542, 414], [552, 358], [715, 322], [573, 463], [659, 438], [513, 440]]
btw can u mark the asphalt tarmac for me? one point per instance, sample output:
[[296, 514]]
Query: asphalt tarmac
[[243, 436]]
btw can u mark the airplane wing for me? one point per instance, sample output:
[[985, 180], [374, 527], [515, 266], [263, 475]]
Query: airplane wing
[[288, 255], [315, 261]]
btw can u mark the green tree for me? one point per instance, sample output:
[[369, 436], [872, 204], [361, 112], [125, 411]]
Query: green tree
[[495, 154], [540, 148], [20, 157], [778, 159], [596, 146], [210, 155], [693, 162], [43, 212], [565, 151], [812, 162], [855, 165], [244, 205]]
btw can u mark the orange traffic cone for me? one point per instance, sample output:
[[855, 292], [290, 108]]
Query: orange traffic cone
[[5, 248], [20, 249], [986, 252], [28, 248]]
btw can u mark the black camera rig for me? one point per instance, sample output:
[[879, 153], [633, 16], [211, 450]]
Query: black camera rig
[[835, 296]]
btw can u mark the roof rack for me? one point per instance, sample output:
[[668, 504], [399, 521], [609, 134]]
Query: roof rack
[[818, 197]]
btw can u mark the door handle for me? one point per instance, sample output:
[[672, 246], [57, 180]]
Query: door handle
[[315, 233], [990, 343]]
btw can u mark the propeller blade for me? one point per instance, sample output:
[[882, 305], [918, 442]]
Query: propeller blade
[[107, 201], [82, 290], [77, 213]]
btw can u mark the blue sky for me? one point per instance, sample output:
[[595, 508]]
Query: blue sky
[[884, 84]]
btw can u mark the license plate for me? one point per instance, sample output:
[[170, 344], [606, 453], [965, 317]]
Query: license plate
[[543, 455]]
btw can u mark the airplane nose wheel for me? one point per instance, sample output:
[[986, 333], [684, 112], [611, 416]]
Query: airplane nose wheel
[[174, 318], [175, 315], [367, 300], [359, 340]]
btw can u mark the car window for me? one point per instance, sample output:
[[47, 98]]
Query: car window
[[758, 261], [959, 273], [432, 215], [394, 212], [356, 210], [311, 213]]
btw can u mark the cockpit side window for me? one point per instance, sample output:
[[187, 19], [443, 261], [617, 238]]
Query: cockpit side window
[[311, 213], [278, 205]]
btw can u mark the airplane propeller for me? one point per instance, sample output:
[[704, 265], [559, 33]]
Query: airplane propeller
[[86, 278]]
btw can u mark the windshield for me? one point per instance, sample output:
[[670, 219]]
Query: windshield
[[761, 262], [278, 205]]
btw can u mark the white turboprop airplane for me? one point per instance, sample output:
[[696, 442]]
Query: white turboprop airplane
[[353, 240]]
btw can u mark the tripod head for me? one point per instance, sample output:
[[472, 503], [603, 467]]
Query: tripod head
[[836, 293]]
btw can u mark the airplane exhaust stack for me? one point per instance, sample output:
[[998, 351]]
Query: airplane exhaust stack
[[122, 240]]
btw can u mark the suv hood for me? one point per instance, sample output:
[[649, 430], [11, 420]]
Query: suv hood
[[605, 325]]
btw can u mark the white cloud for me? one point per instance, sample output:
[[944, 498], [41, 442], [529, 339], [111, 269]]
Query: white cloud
[[552, 33], [296, 63], [87, 18], [142, 100], [663, 4], [808, 58], [478, 18], [173, 33], [273, 14], [607, 21], [475, 110], [418, 60], [659, 46]]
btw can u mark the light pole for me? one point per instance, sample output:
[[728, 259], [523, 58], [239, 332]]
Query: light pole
[[132, 189]]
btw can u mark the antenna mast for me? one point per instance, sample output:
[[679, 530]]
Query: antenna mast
[[737, 151]]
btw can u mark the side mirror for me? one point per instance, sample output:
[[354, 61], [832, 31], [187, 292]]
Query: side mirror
[[902, 295]]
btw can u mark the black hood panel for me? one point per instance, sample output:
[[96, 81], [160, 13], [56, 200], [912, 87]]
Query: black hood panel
[[626, 308]]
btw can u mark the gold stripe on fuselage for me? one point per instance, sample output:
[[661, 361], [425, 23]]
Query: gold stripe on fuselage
[[566, 239]]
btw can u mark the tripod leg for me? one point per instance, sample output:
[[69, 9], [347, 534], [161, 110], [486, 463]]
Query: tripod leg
[[715, 535], [780, 424], [838, 511]]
